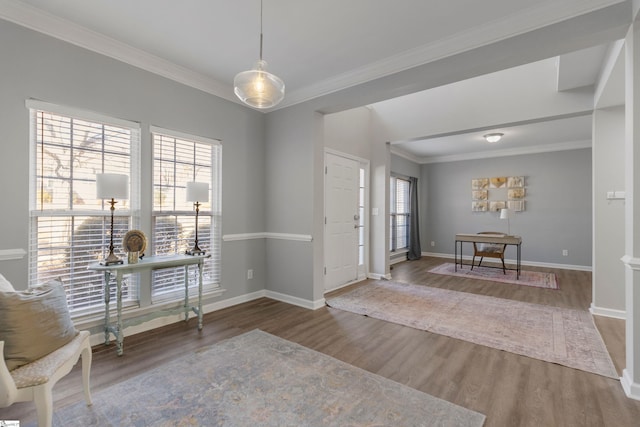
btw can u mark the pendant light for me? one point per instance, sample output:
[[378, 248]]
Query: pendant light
[[259, 88]]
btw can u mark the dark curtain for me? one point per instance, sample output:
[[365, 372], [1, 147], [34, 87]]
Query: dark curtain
[[415, 252]]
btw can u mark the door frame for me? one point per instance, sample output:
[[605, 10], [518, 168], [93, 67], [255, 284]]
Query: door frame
[[362, 269]]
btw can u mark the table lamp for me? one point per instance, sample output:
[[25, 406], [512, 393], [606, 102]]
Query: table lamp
[[197, 192], [112, 186], [505, 214]]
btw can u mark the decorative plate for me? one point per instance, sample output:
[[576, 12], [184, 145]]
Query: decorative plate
[[134, 241]]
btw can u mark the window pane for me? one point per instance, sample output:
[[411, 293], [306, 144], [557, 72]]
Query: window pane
[[176, 162], [69, 153]]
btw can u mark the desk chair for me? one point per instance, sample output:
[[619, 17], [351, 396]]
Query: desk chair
[[489, 250]]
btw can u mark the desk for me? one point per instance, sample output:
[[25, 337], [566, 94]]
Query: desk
[[148, 263], [489, 238]]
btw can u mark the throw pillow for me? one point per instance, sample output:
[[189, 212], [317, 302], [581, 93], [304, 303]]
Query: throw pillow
[[33, 323], [5, 285]]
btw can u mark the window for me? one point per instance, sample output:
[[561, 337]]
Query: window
[[178, 159], [399, 211], [69, 226], [361, 225]]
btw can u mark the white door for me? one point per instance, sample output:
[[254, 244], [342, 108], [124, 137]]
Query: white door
[[342, 187]]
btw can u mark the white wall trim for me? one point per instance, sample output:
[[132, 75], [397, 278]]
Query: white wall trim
[[608, 312], [631, 262], [377, 276], [300, 302], [243, 236], [535, 17], [265, 235], [546, 148], [524, 263], [12, 254], [631, 389]]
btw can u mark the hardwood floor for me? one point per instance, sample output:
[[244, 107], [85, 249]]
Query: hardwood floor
[[511, 390]]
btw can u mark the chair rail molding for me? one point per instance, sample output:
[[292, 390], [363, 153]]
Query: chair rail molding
[[266, 235], [12, 254], [631, 262]]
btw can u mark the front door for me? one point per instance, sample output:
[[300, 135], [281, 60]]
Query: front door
[[342, 188]]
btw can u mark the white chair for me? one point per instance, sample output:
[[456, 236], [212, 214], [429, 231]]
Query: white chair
[[34, 381]]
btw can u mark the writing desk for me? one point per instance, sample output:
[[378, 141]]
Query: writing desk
[[147, 263], [489, 238]]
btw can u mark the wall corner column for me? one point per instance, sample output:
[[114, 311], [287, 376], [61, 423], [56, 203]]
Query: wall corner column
[[631, 374]]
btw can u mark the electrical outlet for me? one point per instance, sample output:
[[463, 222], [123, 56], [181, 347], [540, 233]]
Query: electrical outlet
[[433, 243], [249, 274], [565, 252]]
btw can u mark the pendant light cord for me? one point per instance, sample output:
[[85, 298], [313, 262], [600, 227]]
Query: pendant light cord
[[260, 30]]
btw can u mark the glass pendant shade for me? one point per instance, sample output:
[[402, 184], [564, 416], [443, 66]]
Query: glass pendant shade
[[259, 88]]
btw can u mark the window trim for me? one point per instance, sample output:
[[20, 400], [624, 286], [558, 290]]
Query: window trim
[[215, 212], [133, 211]]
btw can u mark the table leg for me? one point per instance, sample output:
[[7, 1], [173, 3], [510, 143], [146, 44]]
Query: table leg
[[519, 262], [120, 334], [186, 293], [455, 256], [107, 299], [200, 268]]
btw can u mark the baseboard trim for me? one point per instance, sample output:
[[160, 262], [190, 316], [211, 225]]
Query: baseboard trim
[[300, 302], [376, 276], [608, 312], [631, 389], [513, 261]]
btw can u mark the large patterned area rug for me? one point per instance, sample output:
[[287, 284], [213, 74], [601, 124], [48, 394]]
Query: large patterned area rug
[[257, 379], [559, 335], [527, 278]]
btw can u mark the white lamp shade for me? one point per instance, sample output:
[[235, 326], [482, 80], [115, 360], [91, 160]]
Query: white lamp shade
[[197, 192], [504, 214], [259, 88], [112, 186]]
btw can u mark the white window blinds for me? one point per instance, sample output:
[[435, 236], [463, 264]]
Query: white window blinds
[[399, 213], [69, 225], [178, 159]]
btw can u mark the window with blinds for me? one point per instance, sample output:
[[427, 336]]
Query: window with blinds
[[399, 214], [178, 159], [69, 226]]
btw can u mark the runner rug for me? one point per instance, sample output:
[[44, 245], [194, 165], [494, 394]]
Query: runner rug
[[257, 379], [527, 278], [559, 335]]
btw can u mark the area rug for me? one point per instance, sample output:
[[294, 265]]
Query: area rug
[[527, 278], [257, 379], [559, 335]]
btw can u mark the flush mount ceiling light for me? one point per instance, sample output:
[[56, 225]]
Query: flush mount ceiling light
[[493, 137], [259, 88]]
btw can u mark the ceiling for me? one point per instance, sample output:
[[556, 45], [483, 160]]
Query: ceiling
[[316, 47]]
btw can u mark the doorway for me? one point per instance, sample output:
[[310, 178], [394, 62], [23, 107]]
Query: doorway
[[345, 232]]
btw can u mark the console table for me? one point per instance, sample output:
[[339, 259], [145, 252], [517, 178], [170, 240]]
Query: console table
[[147, 263], [489, 238]]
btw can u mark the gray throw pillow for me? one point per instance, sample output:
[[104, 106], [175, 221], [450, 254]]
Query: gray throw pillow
[[33, 323]]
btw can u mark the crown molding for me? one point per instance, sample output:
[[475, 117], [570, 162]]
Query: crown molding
[[535, 17], [537, 149], [35, 19]]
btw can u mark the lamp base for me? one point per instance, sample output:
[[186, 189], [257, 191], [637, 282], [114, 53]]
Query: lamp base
[[112, 259], [195, 251]]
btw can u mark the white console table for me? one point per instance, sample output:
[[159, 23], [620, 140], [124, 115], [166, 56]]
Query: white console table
[[147, 263]]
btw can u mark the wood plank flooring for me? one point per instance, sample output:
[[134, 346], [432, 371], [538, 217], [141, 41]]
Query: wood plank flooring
[[511, 390]]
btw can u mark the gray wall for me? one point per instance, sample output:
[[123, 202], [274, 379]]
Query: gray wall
[[558, 205], [36, 66], [402, 166], [608, 215]]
